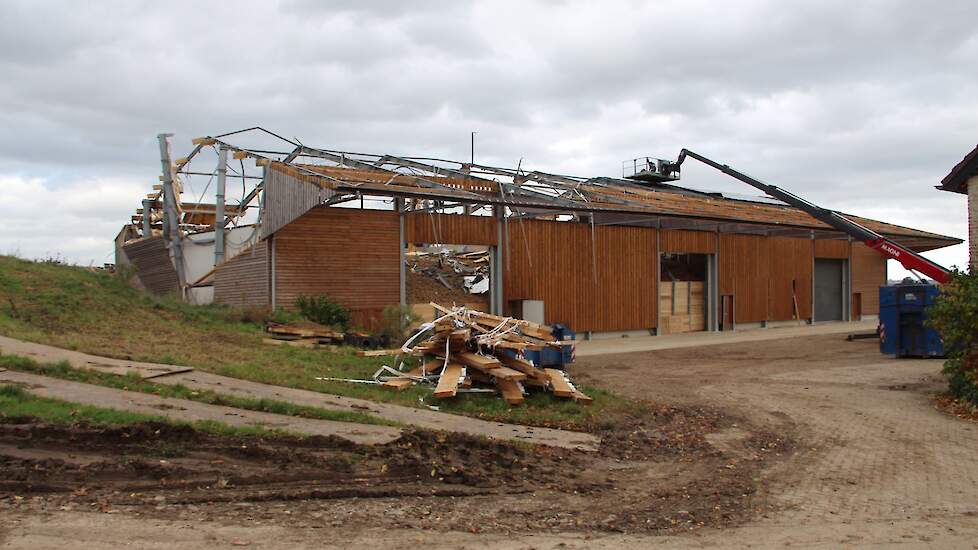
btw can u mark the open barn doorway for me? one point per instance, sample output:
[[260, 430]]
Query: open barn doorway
[[448, 275], [683, 293]]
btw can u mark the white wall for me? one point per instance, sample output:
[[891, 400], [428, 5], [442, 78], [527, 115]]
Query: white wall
[[198, 256]]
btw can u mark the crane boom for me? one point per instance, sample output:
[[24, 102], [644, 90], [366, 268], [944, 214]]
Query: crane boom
[[908, 258]]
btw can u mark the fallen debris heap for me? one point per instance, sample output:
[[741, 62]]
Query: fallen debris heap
[[465, 350]]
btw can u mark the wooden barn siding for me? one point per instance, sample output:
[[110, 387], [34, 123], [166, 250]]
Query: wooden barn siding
[[758, 271], [553, 262], [450, 229], [153, 265], [832, 248], [347, 254], [690, 242], [868, 274], [743, 270], [790, 259], [243, 280]]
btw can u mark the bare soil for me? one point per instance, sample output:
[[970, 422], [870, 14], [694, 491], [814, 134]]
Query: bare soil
[[800, 442], [654, 474]]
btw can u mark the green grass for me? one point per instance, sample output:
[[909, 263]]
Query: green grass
[[15, 402], [100, 313], [133, 382]]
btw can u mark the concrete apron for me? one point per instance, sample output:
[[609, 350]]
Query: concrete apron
[[695, 339]]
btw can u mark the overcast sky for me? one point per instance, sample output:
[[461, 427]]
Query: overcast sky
[[860, 106]]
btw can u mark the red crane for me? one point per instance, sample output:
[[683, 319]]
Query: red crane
[[908, 258]]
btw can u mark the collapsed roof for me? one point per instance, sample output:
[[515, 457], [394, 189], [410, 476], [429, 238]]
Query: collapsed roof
[[438, 185]]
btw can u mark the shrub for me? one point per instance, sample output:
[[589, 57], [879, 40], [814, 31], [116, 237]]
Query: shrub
[[955, 315], [320, 309]]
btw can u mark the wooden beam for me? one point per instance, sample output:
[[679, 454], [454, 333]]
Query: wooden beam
[[449, 381]]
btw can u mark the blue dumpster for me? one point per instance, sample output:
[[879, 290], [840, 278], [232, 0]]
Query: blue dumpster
[[903, 313], [553, 357]]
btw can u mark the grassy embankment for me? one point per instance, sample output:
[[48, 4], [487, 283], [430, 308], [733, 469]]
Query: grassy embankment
[[101, 314], [132, 382], [15, 402]]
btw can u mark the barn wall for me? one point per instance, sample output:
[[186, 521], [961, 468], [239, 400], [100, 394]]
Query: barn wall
[[607, 284], [450, 229], [743, 271], [690, 242], [832, 248], [243, 280], [347, 254], [868, 274], [791, 262], [153, 265]]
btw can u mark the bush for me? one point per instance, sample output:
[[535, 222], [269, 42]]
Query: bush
[[955, 316], [396, 320], [320, 309]]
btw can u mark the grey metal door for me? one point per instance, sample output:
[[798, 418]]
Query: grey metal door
[[829, 284]]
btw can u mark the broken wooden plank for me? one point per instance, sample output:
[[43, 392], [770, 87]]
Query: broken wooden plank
[[581, 397], [561, 387], [398, 384], [449, 380], [524, 366], [377, 352], [511, 390], [476, 360]]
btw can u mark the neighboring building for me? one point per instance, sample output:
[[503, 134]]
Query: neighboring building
[[604, 255], [963, 179]]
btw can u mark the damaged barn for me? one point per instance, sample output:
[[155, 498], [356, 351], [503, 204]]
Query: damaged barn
[[598, 255]]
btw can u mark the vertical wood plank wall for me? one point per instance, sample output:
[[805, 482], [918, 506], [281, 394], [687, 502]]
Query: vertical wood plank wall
[[744, 271], [450, 229], [868, 274], [604, 285], [347, 254], [689, 242], [608, 284], [832, 248], [243, 280], [791, 263]]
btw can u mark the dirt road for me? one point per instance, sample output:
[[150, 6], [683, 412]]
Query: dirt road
[[799, 442]]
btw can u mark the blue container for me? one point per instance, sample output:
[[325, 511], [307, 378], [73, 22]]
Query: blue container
[[552, 357], [903, 313]]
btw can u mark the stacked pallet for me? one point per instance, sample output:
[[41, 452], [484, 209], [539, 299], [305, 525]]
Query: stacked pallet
[[683, 307], [465, 350]]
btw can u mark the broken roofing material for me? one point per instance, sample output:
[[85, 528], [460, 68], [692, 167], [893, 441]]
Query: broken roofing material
[[434, 185]]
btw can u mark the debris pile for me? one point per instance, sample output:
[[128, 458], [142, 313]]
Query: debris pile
[[465, 350], [447, 276], [305, 337], [312, 335]]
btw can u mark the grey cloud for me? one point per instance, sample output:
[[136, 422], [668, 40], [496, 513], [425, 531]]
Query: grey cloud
[[836, 100]]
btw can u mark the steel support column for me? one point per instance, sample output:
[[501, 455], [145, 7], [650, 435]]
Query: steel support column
[[496, 291], [147, 219], [220, 216], [402, 270], [171, 213]]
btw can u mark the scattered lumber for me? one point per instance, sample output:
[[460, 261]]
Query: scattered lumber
[[313, 336], [377, 352], [287, 332], [465, 350]]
